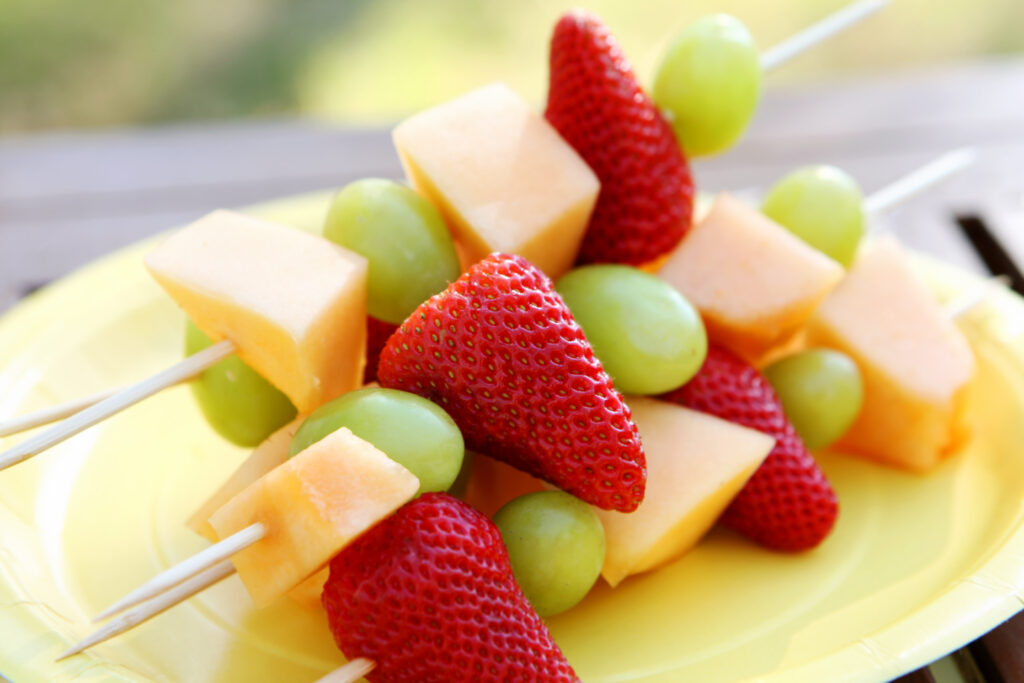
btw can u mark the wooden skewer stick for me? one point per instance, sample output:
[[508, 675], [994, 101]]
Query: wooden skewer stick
[[186, 569], [919, 180], [907, 186], [52, 414], [969, 300], [351, 672], [149, 610], [124, 398], [815, 33]]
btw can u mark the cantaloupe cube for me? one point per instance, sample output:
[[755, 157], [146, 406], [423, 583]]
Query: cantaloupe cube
[[502, 177], [915, 363], [293, 303], [753, 281], [696, 464], [312, 506], [268, 455], [493, 483], [308, 593]]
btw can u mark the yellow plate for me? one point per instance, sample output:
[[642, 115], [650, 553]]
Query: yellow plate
[[917, 566]]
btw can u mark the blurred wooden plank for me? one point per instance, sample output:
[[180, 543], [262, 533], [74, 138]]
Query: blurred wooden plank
[[963, 670], [998, 260], [913, 111], [49, 251], [111, 164], [1000, 654], [919, 676], [945, 105], [68, 197], [1004, 214]]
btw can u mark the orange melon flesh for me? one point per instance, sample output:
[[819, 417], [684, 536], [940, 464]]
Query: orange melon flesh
[[754, 282], [493, 483], [308, 593], [696, 464], [502, 177], [268, 455], [312, 506], [915, 363], [293, 303]]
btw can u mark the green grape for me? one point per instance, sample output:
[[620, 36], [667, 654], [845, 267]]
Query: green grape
[[821, 205], [646, 335], [238, 403], [409, 429], [821, 393], [555, 542], [709, 83], [411, 255]]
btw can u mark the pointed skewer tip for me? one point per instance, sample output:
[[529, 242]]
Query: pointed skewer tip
[[353, 671], [186, 569]]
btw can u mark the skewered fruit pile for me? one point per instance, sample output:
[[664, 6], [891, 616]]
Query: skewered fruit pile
[[599, 341]]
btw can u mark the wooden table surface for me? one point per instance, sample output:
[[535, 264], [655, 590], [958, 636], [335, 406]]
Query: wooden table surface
[[69, 197]]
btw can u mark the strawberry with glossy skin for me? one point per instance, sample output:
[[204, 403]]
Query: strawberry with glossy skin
[[377, 334], [787, 504], [646, 201], [429, 595], [500, 351]]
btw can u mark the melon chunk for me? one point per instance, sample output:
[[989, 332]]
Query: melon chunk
[[293, 303], [915, 362], [696, 464], [268, 455], [312, 506], [308, 593], [502, 177], [493, 483], [753, 281]]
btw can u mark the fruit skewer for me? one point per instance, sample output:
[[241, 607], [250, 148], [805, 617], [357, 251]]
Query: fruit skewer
[[771, 58], [191, 573], [710, 108], [598, 451], [345, 486], [704, 93], [823, 205], [94, 409], [435, 533], [302, 325], [810, 227], [390, 412]]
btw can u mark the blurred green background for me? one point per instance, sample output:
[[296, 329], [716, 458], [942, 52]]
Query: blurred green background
[[88, 63]]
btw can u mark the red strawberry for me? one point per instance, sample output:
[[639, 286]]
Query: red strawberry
[[788, 504], [429, 595], [501, 353], [377, 334], [594, 101]]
